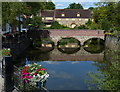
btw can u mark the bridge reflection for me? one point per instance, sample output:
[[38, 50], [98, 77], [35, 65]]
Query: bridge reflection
[[80, 55], [56, 55]]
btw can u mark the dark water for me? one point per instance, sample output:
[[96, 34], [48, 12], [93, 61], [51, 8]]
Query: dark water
[[67, 71]]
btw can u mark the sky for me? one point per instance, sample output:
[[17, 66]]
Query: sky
[[61, 4]]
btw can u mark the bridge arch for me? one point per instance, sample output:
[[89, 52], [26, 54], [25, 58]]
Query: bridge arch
[[70, 40], [73, 25], [93, 39], [94, 45]]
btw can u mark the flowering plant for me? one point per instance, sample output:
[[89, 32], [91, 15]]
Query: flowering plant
[[33, 73], [6, 52]]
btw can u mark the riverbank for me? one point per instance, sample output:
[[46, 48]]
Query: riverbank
[[112, 42]]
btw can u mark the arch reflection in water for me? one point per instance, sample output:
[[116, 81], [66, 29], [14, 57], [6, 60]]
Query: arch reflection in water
[[68, 45], [94, 45], [44, 44]]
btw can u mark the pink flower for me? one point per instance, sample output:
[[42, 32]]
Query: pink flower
[[26, 81], [25, 73], [22, 77], [28, 77], [38, 69], [35, 73]]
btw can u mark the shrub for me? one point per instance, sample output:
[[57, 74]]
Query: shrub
[[82, 27]]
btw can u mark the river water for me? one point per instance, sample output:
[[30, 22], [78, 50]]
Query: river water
[[67, 71]]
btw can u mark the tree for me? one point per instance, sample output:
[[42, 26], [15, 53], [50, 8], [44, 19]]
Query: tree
[[107, 14], [56, 25], [11, 10], [91, 8], [75, 6], [49, 5], [36, 22], [35, 7]]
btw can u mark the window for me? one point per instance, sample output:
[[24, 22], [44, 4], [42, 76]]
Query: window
[[73, 19], [58, 19], [49, 18], [86, 19], [67, 19], [63, 15], [80, 19], [78, 15], [42, 18]]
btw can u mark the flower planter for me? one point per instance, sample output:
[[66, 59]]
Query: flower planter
[[31, 77]]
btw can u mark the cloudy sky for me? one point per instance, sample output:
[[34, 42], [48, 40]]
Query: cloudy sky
[[61, 4]]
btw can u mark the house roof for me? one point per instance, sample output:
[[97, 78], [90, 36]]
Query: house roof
[[47, 13], [69, 13], [72, 13]]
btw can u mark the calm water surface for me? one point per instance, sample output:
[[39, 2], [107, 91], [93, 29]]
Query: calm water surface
[[67, 71], [68, 75]]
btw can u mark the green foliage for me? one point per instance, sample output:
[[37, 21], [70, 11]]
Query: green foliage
[[94, 26], [5, 52], [105, 25], [34, 7], [91, 8], [82, 27], [109, 79], [38, 42], [36, 22], [49, 5], [89, 22], [65, 41], [107, 15], [11, 10], [75, 6], [56, 25]]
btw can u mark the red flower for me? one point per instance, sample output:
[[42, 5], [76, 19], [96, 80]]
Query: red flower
[[42, 69]]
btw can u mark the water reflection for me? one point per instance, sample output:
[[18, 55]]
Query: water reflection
[[67, 71], [69, 50], [67, 75], [110, 69], [94, 45], [56, 55]]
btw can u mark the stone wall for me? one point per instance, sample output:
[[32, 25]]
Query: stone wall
[[112, 42], [69, 21]]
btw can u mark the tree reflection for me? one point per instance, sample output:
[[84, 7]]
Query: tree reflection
[[94, 45], [109, 78]]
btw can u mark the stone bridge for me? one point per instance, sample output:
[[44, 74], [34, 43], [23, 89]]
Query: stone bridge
[[81, 35]]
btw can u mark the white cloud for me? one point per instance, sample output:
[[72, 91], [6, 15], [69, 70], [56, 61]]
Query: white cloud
[[59, 5]]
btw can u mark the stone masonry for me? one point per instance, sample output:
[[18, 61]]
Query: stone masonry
[[81, 35]]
